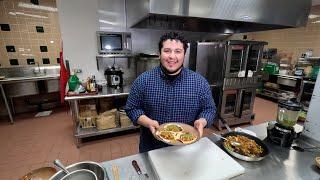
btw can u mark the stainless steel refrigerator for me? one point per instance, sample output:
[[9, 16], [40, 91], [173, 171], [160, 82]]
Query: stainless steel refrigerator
[[232, 69]]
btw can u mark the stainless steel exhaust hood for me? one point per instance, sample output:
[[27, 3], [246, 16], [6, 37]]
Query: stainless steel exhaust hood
[[218, 16]]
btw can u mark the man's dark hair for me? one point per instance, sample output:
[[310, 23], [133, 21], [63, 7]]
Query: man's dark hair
[[173, 36]]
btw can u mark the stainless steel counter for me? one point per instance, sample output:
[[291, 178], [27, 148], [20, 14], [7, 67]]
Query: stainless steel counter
[[106, 92], [282, 163], [29, 78], [23, 79]]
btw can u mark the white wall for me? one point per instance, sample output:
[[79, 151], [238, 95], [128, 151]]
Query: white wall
[[78, 24]]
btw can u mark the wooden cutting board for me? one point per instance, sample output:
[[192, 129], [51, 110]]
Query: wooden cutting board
[[202, 160]]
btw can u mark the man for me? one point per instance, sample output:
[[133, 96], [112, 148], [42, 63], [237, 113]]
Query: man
[[169, 93]]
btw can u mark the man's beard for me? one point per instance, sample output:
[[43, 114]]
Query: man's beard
[[166, 71]]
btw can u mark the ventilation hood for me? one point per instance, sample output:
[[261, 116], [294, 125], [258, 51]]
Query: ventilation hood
[[217, 16]]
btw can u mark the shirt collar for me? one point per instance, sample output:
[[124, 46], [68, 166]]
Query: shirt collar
[[179, 77]]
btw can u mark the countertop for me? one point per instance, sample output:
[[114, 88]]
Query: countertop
[[106, 92], [29, 78], [281, 163]]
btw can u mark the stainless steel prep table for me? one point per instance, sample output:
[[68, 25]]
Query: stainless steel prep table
[[282, 163], [18, 80], [74, 108]]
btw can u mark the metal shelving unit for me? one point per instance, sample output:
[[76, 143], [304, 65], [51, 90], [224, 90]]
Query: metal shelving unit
[[81, 133], [89, 132]]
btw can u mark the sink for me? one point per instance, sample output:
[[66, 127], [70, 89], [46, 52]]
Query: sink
[[92, 166]]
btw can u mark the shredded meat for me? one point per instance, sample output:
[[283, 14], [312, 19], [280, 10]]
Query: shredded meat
[[247, 147]]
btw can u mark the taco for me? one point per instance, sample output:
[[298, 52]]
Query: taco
[[187, 138], [166, 136], [173, 128]]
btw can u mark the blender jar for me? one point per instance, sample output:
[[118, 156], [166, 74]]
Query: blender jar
[[288, 112]]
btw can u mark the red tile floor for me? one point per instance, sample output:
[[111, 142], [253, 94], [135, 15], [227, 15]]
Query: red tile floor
[[32, 142]]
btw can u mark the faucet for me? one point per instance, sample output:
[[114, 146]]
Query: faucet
[[37, 70]]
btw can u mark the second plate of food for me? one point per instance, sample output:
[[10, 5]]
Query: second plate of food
[[177, 134]]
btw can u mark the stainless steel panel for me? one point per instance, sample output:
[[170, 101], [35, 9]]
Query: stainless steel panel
[[111, 15], [21, 89], [205, 54], [145, 64], [53, 85], [223, 16], [287, 81]]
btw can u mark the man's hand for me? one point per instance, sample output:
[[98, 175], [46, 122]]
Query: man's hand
[[199, 125], [153, 126], [148, 123]]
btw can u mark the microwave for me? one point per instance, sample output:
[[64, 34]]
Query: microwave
[[114, 44]]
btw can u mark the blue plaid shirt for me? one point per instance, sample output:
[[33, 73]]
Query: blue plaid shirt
[[185, 99]]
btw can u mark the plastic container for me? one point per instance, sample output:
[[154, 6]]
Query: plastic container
[[288, 113]]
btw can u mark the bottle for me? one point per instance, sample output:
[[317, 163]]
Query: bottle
[[93, 84], [73, 81]]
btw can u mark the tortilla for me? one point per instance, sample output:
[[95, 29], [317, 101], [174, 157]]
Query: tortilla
[[166, 136], [173, 128], [187, 138]]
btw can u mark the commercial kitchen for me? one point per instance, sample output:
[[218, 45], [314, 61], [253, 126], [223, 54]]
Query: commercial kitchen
[[67, 68]]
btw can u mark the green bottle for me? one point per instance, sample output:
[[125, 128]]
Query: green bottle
[[73, 82]]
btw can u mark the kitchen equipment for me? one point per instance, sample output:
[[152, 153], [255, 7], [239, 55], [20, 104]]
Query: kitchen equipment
[[146, 62], [114, 44], [233, 143], [114, 77], [98, 170], [288, 112], [41, 173], [232, 69], [196, 161], [138, 170], [264, 147], [283, 133], [212, 16], [82, 174]]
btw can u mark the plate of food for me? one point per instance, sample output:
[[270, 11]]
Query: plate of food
[[177, 134]]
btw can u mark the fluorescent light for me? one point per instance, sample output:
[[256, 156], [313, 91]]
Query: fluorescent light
[[39, 7], [315, 22], [313, 16], [108, 22]]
